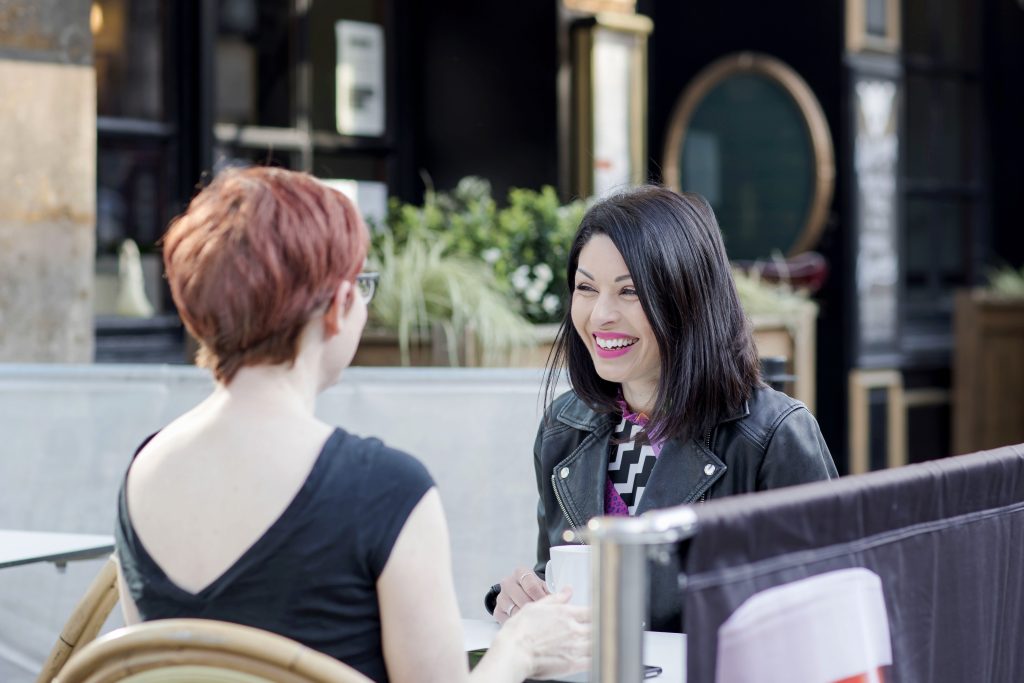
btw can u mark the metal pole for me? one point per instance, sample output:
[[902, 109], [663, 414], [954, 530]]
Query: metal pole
[[619, 586], [620, 574]]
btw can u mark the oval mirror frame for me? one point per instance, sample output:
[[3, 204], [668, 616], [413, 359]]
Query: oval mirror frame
[[814, 119]]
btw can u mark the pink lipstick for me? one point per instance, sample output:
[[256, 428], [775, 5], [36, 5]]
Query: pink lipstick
[[615, 344]]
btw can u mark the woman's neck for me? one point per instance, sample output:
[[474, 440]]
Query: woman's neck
[[640, 397], [285, 389], [274, 390]]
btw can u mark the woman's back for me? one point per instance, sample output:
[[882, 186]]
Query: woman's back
[[209, 484], [309, 573]]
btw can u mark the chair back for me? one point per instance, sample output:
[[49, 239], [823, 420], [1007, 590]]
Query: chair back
[[202, 649], [85, 621]]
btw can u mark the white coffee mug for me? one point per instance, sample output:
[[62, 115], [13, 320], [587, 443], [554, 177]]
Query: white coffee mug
[[570, 566]]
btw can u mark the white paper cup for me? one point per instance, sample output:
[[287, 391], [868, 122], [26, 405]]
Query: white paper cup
[[570, 566]]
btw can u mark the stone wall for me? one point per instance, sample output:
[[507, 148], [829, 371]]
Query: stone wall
[[48, 186]]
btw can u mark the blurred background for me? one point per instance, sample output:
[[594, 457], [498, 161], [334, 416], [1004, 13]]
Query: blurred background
[[863, 158]]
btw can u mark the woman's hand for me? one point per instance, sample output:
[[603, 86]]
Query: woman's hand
[[549, 636], [517, 591]]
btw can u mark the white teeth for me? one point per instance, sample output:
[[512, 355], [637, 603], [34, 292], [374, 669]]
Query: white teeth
[[615, 343]]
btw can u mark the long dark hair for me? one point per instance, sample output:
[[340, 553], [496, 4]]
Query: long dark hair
[[673, 248]]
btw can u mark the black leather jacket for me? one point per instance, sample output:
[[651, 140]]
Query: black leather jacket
[[773, 441]]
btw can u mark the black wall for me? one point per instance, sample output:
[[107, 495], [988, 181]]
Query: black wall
[[1004, 86], [486, 102]]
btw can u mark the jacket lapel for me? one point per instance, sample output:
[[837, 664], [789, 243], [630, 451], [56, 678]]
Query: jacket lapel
[[683, 472], [579, 479]]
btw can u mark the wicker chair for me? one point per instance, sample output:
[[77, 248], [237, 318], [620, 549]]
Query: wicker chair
[[85, 621], [202, 650]]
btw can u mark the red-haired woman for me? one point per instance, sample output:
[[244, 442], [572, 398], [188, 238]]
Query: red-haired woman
[[249, 509]]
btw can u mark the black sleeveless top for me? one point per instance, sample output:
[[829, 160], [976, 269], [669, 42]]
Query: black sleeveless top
[[312, 576]]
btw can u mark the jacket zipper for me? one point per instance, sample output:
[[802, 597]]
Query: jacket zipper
[[707, 445], [554, 487]]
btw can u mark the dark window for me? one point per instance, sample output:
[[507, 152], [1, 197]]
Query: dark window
[[139, 185], [136, 167], [276, 72], [137, 142], [187, 88], [942, 184], [128, 53], [255, 57], [133, 192], [349, 165]]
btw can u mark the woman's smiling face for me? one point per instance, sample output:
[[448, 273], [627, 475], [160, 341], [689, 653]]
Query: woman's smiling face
[[607, 315]]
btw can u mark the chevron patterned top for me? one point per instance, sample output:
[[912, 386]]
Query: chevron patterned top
[[630, 461]]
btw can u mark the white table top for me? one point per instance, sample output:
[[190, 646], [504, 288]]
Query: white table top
[[667, 650], [26, 547]]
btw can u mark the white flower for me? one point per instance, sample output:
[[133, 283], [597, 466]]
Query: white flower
[[543, 272], [521, 278], [534, 292], [491, 255], [550, 304]]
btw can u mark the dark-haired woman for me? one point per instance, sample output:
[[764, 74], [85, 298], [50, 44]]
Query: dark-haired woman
[[667, 405]]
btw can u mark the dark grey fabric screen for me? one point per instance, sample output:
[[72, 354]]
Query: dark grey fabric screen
[[946, 537]]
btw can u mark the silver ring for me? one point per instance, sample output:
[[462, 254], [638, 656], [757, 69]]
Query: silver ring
[[523, 577], [511, 607]]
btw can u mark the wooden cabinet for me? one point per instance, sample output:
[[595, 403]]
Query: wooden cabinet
[[794, 337], [988, 372]]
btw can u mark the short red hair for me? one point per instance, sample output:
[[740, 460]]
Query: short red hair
[[254, 255]]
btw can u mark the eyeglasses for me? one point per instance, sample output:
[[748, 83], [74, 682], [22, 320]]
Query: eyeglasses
[[366, 285]]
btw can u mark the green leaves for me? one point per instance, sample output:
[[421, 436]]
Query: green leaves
[[534, 231], [759, 297], [1007, 281], [422, 287], [461, 264]]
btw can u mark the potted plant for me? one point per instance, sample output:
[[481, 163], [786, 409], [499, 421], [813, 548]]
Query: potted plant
[[464, 282], [450, 303], [784, 320]]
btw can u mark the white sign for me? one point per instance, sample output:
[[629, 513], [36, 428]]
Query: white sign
[[876, 163], [613, 124], [359, 78], [369, 196]]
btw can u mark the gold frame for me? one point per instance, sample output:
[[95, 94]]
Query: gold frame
[[857, 37], [860, 383], [806, 102], [582, 172], [595, 6]]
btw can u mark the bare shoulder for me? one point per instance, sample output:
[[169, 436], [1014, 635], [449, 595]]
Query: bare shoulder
[[202, 439], [200, 493]]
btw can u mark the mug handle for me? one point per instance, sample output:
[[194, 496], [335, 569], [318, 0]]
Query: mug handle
[[549, 569]]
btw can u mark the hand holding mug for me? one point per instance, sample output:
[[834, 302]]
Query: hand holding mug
[[517, 590]]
